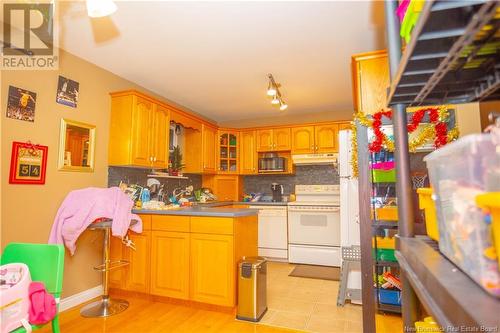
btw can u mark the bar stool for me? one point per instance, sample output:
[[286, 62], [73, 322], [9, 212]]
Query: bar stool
[[106, 306]]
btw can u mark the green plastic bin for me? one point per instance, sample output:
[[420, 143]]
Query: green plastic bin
[[384, 176], [385, 255]]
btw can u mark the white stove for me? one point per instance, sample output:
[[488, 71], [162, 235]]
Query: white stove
[[314, 225]]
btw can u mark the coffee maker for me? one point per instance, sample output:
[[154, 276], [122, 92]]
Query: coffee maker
[[277, 192]]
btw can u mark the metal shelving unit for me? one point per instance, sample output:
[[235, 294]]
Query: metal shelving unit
[[452, 55], [451, 297], [451, 58], [380, 193]]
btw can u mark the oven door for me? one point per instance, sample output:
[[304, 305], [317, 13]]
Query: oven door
[[313, 225]]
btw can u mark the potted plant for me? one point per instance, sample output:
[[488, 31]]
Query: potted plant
[[176, 162]]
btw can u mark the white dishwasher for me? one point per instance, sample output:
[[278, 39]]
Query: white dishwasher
[[273, 232]]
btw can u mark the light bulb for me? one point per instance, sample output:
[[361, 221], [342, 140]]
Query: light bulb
[[275, 100], [283, 106], [271, 91], [100, 8]]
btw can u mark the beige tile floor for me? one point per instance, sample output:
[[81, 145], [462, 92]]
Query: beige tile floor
[[307, 304], [310, 305]]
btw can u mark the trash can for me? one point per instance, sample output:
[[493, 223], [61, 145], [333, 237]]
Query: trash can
[[252, 288]]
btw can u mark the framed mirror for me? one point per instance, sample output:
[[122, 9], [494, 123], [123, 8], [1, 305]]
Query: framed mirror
[[76, 146]]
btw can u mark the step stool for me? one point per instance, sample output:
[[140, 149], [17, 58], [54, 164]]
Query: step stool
[[351, 261]]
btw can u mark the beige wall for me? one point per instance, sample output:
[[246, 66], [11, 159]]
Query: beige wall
[[29, 210], [468, 118]]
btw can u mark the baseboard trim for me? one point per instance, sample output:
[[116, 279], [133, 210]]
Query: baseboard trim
[[82, 297]]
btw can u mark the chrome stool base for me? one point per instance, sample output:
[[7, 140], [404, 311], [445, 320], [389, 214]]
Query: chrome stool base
[[105, 307]]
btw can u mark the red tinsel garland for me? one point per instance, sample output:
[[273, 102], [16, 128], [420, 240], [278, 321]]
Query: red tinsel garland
[[440, 127]]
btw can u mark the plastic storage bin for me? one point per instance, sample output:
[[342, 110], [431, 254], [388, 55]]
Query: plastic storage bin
[[491, 202], [389, 296], [459, 172], [385, 255], [14, 296], [387, 213], [383, 172], [385, 242], [427, 204], [428, 325]]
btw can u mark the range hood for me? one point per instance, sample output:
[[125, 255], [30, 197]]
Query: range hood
[[312, 159]]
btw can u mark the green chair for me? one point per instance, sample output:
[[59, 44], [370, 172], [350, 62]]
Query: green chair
[[46, 264]]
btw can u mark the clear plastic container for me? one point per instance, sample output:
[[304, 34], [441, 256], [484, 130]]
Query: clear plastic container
[[458, 172]]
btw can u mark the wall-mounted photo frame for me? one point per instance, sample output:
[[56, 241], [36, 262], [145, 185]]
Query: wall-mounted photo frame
[[67, 92], [28, 164], [21, 104], [76, 146]]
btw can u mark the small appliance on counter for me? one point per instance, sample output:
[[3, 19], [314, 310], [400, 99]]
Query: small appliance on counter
[[271, 162], [277, 192]]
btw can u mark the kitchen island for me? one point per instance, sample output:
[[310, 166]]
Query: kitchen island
[[189, 254]]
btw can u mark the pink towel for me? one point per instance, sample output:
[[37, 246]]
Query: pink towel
[[82, 207], [43, 306]]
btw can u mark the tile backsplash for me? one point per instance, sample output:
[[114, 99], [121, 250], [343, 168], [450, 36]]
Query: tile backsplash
[[304, 175], [139, 176]]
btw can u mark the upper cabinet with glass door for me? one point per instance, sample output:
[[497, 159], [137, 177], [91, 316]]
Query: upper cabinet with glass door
[[228, 152]]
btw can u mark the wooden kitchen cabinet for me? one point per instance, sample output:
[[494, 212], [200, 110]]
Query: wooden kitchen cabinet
[[141, 138], [265, 140], [248, 153], [187, 257], [276, 139], [225, 187], [138, 131], [303, 140], [117, 276], [170, 264], [370, 77], [228, 152], [209, 141], [136, 275], [213, 269], [326, 138], [281, 139], [344, 126], [138, 272], [160, 138], [315, 139]]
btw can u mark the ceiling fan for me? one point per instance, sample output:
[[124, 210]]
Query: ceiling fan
[[100, 8]]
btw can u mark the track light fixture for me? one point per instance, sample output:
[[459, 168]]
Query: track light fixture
[[274, 92]]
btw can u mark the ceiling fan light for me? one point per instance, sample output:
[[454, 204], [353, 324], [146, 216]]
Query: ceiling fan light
[[100, 8]]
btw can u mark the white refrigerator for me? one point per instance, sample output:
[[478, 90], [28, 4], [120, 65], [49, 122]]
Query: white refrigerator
[[349, 212]]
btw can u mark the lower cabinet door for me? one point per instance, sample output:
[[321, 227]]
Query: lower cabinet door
[[170, 264], [138, 272], [117, 276], [212, 269]]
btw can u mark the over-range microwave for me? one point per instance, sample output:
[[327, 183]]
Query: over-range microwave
[[271, 162]]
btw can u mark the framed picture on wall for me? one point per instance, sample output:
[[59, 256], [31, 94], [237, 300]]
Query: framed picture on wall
[[67, 92], [21, 104], [28, 164]]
